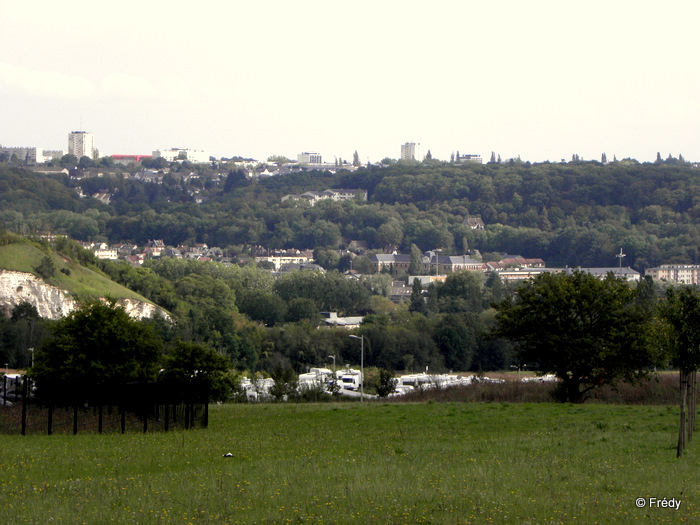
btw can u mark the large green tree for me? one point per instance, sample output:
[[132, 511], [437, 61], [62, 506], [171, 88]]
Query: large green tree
[[93, 352], [587, 331], [680, 313], [196, 371]]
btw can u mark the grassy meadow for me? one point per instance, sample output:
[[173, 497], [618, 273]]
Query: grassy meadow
[[82, 282], [374, 463]]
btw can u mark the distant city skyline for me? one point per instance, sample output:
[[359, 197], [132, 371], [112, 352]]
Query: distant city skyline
[[542, 80]]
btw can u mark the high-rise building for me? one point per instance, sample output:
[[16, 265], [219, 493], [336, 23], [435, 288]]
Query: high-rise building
[[309, 158], [28, 155], [409, 151], [81, 144]]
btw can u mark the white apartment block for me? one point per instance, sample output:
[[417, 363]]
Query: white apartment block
[[81, 144], [309, 158], [28, 155], [474, 159], [280, 260], [675, 273], [191, 155], [409, 151]]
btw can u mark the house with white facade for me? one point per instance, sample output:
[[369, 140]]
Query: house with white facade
[[174, 154], [675, 273]]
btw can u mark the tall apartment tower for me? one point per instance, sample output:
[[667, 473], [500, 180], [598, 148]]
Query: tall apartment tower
[[81, 144], [309, 158], [409, 151]]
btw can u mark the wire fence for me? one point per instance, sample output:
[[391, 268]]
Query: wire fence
[[135, 408]]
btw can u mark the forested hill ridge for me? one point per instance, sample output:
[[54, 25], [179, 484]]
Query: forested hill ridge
[[575, 214]]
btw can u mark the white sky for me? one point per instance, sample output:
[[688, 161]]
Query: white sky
[[539, 79]]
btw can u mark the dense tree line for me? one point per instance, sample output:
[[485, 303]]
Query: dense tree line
[[575, 214], [587, 331], [261, 323]]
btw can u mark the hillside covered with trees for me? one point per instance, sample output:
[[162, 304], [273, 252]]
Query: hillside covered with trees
[[575, 214]]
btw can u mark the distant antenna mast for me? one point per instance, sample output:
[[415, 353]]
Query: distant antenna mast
[[621, 256]]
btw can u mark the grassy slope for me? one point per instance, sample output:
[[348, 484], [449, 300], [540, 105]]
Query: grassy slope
[[377, 463], [81, 282]]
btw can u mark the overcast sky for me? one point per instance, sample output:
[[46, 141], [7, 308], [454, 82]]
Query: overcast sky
[[542, 80]]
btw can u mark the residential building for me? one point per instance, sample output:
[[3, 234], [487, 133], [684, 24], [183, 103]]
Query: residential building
[[426, 280], [126, 249], [28, 155], [101, 250], [104, 251], [285, 258], [394, 263], [154, 247], [522, 274], [104, 198], [475, 223], [440, 264], [675, 273], [400, 292], [626, 273], [309, 158], [191, 155], [515, 261], [475, 159], [81, 144], [431, 262], [409, 151], [128, 159], [296, 267]]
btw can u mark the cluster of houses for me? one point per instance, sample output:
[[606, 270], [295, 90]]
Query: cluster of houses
[[432, 267], [135, 254]]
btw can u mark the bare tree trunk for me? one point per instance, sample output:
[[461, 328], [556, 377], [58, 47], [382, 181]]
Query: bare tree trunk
[[691, 404], [684, 400]]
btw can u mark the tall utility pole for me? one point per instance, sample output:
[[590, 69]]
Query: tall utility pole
[[437, 260], [620, 256], [362, 365]]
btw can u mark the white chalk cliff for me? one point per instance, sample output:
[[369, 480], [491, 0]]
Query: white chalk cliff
[[52, 302]]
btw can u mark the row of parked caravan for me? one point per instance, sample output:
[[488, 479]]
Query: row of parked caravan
[[349, 382], [547, 378], [410, 382]]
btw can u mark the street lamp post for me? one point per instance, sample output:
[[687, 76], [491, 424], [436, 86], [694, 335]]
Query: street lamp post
[[362, 365], [518, 368], [333, 358], [437, 261], [620, 256], [32, 351]]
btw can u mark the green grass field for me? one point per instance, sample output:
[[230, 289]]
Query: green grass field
[[377, 463]]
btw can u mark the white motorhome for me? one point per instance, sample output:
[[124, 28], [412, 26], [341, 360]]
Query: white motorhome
[[315, 377], [349, 379]]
